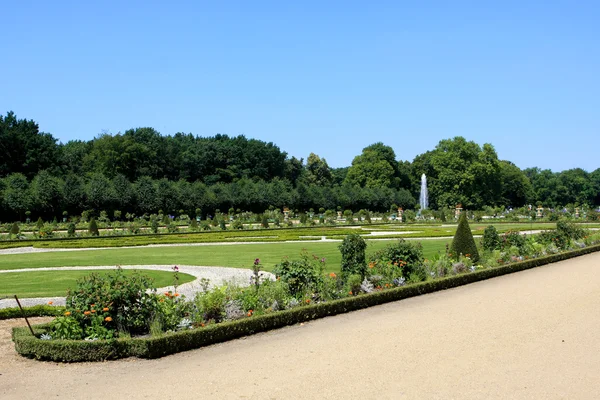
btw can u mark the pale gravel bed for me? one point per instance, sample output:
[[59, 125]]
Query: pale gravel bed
[[216, 276]]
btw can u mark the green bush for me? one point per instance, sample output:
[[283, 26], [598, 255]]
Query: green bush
[[264, 222], [513, 239], [14, 229], [33, 311], [71, 230], [40, 223], [463, 242], [237, 224], [125, 300], [353, 255], [93, 228], [491, 240], [301, 275], [193, 224], [407, 256], [154, 225]]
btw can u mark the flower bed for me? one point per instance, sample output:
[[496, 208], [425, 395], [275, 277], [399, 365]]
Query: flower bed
[[206, 334]]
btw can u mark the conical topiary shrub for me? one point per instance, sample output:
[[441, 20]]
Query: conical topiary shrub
[[463, 242], [14, 229], [93, 228]]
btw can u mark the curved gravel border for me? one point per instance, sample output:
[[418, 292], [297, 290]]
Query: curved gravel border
[[216, 275]]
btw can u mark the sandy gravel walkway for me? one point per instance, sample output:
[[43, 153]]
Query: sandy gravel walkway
[[530, 335]]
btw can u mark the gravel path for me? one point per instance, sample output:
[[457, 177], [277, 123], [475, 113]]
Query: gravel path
[[529, 335], [216, 275]]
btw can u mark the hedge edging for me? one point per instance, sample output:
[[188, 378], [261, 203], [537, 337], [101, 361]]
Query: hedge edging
[[155, 347], [33, 311]]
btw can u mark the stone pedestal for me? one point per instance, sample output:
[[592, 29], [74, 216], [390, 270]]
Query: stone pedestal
[[540, 212], [457, 211], [286, 213], [339, 214], [576, 212]]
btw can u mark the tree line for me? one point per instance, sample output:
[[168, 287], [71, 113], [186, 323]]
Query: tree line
[[141, 171]]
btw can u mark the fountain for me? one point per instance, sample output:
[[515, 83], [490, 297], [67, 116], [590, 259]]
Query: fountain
[[424, 197]]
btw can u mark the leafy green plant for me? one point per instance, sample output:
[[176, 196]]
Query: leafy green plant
[[71, 230], [491, 240], [14, 229], [128, 301], [353, 249], [93, 228], [405, 255], [211, 304], [66, 327], [301, 275]]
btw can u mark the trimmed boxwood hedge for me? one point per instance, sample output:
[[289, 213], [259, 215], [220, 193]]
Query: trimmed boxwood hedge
[[154, 347], [34, 311]]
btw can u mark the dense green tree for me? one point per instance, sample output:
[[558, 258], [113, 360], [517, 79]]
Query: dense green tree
[[17, 195], [375, 167], [24, 148], [317, 170], [47, 193]]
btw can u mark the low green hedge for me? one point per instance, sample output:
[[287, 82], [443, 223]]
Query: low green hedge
[[34, 311], [154, 347]]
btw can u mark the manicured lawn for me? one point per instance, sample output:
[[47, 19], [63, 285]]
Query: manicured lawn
[[237, 256], [56, 283]]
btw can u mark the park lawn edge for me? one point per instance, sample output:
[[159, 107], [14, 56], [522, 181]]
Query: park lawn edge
[[155, 347]]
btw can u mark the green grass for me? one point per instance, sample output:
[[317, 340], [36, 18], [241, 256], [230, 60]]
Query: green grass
[[56, 283], [238, 255]]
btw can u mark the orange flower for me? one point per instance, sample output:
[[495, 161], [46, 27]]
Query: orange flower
[[307, 301], [202, 325], [332, 275], [176, 294], [92, 305], [162, 300], [168, 294], [371, 265], [108, 319], [67, 313], [86, 313], [50, 303], [350, 293], [93, 311], [105, 309], [250, 312]]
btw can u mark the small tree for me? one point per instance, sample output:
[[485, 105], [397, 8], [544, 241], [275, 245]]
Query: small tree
[[491, 240], [463, 242], [39, 223], [14, 229], [71, 230], [193, 224], [353, 255], [154, 225], [93, 228], [222, 225], [264, 221]]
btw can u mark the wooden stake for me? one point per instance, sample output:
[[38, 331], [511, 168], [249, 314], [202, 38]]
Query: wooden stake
[[24, 316]]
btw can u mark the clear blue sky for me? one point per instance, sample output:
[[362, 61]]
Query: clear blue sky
[[329, 77]]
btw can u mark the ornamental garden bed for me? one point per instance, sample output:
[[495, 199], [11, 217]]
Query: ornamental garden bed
[[119, 320]]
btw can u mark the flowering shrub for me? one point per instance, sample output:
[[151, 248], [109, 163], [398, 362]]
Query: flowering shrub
[[127, 300], [301, 275]]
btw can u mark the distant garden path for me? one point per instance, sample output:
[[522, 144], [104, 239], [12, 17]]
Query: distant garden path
[[532, 334]]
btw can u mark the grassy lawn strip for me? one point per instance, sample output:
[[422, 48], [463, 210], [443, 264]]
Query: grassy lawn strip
[[235, 255], [56, 283]]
